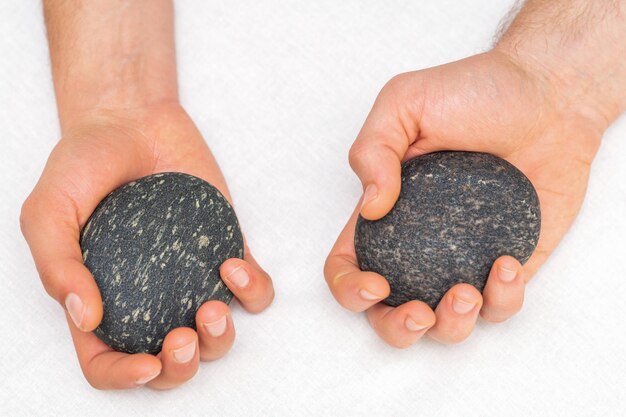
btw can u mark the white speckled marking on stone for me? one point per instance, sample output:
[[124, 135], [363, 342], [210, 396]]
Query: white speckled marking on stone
[[154, 247], [456, 214]]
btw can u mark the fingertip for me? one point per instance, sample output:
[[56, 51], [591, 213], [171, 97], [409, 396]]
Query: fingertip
[[179, 357], [237, 276], [373, 286], [267, 284], [506, 268], [420, 316], [180, 347], [70, 283], [504, 291], [86, 316], [215, 330], [508, 261], [464, 299], [146, 368], [456, 314], [116, 370], [82, 299], [229, 265], [464, 291], [359, 290], [212, 310], [180, 336], [249, 283], [212, 318], [377, 162], [378, 201], [401, 326]]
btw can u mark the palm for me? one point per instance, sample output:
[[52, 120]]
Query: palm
[[490, 105], [98, 156], [178, 146]]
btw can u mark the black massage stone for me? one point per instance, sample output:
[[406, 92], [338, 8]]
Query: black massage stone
[[457, 213], [154, 247]]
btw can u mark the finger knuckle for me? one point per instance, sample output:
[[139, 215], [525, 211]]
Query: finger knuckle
[[28, 212], [332, 273], [501, 311], [260, 302], [400, 344], [48, 274], [349, 304], [92, 380], [271, 294], [397, 83], [356, 154], [494, 317], [212, 356], [455, 334], [255, 308]]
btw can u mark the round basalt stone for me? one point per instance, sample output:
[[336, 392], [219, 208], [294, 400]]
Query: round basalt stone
[[456, 214], [154, 247]]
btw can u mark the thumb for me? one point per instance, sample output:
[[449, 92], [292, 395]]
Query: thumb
[[78, 174], [53, 239], [378, 168], [376, 155]]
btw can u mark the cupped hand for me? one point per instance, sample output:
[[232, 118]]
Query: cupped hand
[[98, 153], [486, 103]]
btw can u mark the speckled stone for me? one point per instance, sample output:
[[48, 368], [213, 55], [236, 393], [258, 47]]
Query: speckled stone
[[457, 213], [154, 247]]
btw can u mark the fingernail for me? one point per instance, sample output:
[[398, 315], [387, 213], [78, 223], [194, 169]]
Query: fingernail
[[371, 192], [185, 353], [506, 275], [239, 277], [76, 308], [217, 328], [146, 379], [366, 295], [462, 306], [414, 326]]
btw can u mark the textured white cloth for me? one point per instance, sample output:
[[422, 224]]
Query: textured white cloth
[[280, 90]]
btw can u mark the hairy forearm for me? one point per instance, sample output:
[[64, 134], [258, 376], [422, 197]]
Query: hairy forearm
[[579, 45], [110, 54]]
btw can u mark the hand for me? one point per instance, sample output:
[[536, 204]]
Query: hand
[[486, 103], [99, 153]]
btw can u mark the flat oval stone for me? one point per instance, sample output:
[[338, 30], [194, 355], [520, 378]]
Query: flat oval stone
[[154, 247], [456, 214]]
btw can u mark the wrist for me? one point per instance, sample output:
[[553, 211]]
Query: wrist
[[110, 55], [114, 114], [576, 52], [86, 94], [144, 122], [571, 92]]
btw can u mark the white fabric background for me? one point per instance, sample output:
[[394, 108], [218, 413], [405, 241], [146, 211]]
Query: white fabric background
[[280, 90]]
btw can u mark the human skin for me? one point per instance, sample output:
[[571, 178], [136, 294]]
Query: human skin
[[114, 72], [541, 99]]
